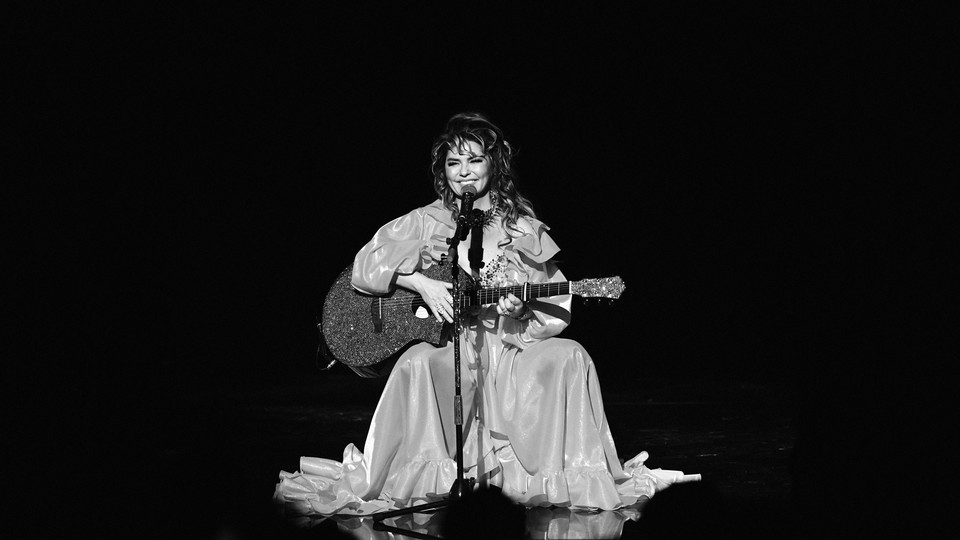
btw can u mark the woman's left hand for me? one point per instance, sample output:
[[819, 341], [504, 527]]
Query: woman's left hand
[[511, 306]]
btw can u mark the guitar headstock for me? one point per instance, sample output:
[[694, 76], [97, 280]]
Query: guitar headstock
[[609, 287]]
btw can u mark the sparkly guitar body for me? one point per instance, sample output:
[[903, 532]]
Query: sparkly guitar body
[[365, 332]]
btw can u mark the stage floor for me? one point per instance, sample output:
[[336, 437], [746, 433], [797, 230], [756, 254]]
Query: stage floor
[[225, 446]]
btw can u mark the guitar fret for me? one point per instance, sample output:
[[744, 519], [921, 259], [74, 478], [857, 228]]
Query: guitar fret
[[529, 291]]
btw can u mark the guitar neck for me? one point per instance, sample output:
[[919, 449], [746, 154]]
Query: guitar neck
[[525, 292]]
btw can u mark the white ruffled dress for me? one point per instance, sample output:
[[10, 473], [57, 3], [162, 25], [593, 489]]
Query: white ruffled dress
[[534, 422]]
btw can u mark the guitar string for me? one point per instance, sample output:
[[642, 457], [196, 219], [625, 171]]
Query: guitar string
[[552, 289], [418, 301], [482, 295]]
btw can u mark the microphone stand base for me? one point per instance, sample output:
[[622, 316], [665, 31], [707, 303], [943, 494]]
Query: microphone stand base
[[461, 488]]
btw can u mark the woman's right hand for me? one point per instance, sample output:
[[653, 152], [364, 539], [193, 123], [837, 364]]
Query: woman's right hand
[[436, 294]]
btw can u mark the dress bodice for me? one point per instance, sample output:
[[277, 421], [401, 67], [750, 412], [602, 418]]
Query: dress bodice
[[493, 273]]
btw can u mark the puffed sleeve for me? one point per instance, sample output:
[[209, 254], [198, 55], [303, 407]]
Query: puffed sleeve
[[395, 249], [533, 253]]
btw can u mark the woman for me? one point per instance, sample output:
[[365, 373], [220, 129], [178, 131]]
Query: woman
[[533, 416]]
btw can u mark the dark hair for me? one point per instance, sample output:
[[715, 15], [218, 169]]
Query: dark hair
[[470, 126]]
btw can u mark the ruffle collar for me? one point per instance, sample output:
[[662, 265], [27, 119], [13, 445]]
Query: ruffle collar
[[539, 247]]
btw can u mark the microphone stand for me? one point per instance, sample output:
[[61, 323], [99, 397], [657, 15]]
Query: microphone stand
[[461, 486]]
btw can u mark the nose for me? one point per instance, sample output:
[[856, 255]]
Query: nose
[[464, 171]]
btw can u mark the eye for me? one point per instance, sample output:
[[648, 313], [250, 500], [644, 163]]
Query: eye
[[476, 160]]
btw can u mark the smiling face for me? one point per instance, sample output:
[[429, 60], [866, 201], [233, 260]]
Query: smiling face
[[467, 165]]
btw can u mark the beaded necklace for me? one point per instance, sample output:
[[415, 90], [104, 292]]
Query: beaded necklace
[[486, 218]]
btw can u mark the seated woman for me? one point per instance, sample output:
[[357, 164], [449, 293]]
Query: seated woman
[[533, 419]]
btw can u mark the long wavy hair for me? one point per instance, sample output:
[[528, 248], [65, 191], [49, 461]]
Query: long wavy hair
[[470, 126]]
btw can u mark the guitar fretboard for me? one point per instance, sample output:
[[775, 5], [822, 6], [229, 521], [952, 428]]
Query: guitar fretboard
[[523, 292]]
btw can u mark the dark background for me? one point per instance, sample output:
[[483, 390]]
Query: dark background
[[766, 180]]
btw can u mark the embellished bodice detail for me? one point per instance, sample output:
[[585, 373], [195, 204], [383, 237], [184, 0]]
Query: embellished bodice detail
[[493, 273]]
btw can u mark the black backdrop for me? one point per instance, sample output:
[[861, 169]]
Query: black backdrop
[[763, 178]]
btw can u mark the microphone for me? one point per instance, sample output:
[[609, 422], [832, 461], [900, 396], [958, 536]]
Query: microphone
[[466, 208], [468, 194]]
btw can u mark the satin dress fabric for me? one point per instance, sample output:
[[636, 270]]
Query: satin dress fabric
[[533, 417]]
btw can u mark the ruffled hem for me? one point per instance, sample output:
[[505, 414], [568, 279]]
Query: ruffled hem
[[583, 488], [422, 480], [323, 486], [589, 488], [326, 487]]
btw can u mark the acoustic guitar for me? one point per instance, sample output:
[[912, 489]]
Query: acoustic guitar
[[364, 331]]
